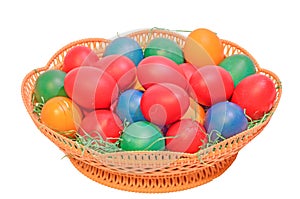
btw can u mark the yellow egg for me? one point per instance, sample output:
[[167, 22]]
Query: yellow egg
[[195, 112], [138, 86]]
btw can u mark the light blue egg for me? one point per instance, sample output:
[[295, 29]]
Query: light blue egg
[[125, 46]]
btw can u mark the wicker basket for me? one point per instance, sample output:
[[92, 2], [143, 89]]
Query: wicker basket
[[147, 171]]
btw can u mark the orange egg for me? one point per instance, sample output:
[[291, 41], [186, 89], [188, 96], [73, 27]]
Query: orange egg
[[195, 112], [61, 115], [203, 47]]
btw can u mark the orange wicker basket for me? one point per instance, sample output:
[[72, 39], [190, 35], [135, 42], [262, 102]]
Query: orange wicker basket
[[147, 171]]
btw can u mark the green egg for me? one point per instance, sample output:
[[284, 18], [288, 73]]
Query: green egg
[[164, 47], [239, 66], [50, 84], [142, 136]]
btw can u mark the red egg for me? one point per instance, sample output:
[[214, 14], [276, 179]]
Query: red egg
[[101, 124], [158, 69], [79, 56], [91, 87], [211, 84], [256, 94], [188, 136], [121, 68], [164, 103], [188, 70]]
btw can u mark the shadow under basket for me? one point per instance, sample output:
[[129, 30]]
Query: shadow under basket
[[147, 171]]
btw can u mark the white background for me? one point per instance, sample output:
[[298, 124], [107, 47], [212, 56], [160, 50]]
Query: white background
[[31, 32]]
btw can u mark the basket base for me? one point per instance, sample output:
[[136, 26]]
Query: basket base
[[153, 184]]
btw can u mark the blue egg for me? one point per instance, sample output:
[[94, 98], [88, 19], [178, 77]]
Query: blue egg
[[128, 106], [125, 46], [223, 120]]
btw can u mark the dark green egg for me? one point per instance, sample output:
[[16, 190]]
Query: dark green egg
[[164, 47], [50, 84]]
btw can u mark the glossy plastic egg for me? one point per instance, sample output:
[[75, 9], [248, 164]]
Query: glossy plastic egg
[[210, 85], [188, 70], [49, 84], [142, 136], [101, 124], [121, 68], [239, 66], [79, 56], [61, 115], [128, 106], [125, 46], [158, 69], [223, 120], [164, 103], [91, 87], [203, 47], [256, 94], [164, 47], [186, 136]]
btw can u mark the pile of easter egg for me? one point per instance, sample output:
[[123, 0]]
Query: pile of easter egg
[[159, 97]]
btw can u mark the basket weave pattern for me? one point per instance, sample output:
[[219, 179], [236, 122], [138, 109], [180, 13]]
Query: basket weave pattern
[[147, 171]]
